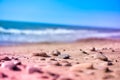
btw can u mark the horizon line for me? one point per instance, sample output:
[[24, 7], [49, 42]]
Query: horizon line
[[57, 24]]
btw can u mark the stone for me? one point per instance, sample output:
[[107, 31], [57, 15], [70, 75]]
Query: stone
[[5, 58], [55, 75], [101, 56], [84, 52], [2, 75], [66, 64], [55, 53], [42, 59], [10, 65], [53, 59], [110, 63], [93, 49], [64, 56], [33, 69], [42, 54], [55, 63], [16, 62]]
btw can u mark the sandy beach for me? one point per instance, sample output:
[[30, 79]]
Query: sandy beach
[[88, 59]]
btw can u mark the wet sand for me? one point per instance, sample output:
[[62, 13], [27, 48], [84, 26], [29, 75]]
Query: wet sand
[[89, 59]]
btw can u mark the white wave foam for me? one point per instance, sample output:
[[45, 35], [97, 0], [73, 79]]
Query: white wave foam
[[36, 32], [48, 35]]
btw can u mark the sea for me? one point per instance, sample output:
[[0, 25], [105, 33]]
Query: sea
[[18, 32]]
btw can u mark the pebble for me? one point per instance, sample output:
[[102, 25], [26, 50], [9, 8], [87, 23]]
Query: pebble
[[81, 67], [84, 52], [54, 75], [43, 59], [93, 49], [101, 56], [65, 78], [64, 56], [10, 65], [110, 63], [42, 54], [66, 64], [16, 62], [5, 58], [107, 70], [56, 63], [53, 59], [2, 75], [13, 58], [55, 53], [33, 69]]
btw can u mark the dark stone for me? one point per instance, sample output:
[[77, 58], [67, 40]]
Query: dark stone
[[93, 49], [2, 75], [5, 58], [10, 65], [64, 56], [42, 54], [55, 53], [85, 52]]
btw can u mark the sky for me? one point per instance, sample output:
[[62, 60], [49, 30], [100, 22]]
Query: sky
[[98, 13]]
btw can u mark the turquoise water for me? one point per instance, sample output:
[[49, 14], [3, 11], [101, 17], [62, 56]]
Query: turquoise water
[[29, 32]]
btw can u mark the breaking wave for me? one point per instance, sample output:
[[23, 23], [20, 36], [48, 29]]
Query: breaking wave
[[36, 32], [51, 35]]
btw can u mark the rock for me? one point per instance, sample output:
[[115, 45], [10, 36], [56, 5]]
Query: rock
[[64, 56], [65, 78], [33, 69], [110, 63], [5, 58], [81, 67], [42, 59], [104, 48], [2, 75], [54, 75], [14, 58], [53, 59], [101, 56], [10, 65], [16, 62], [81, 50], [113, 50], [107, 70], [93, 49], [42, 54], [55, 53], [55, 63], [66, 64], [84, 52]]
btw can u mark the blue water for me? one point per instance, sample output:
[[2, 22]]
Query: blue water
[[26, 32]]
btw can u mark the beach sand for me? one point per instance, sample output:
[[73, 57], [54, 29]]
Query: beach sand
[[88, 59]]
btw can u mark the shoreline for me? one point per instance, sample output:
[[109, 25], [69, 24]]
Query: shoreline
[[77, 41]]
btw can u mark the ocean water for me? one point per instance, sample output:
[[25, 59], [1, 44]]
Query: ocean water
[[26, 32]]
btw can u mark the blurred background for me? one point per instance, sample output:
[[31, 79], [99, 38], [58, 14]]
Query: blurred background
[[58, 20]]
